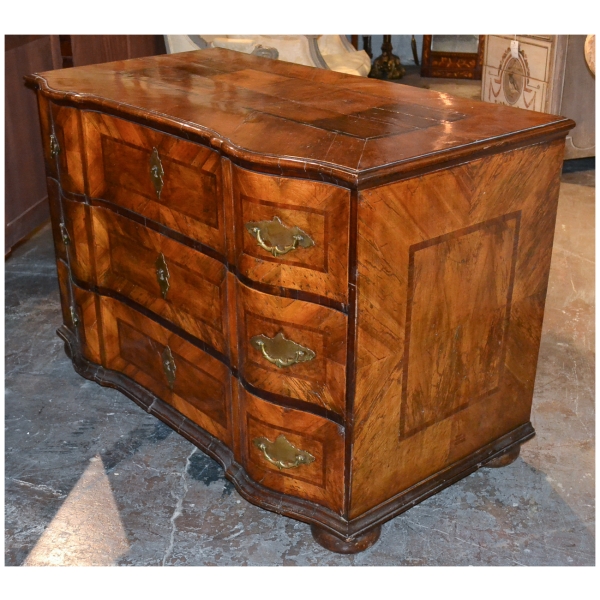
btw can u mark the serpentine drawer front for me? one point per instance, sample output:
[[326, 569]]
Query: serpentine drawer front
[[334, 286], [292, 233], [161, 177]]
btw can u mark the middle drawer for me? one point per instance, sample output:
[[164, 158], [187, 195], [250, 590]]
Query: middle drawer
[[172, 280], [293, 348]]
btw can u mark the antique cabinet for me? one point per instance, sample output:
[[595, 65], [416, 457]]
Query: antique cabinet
[[452, 56], [334, 286], [547, 73]]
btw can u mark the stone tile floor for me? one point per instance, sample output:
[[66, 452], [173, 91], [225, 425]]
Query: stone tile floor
[[91, 479]]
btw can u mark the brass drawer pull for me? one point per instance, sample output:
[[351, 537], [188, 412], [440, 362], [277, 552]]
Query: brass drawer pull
[[162, 275], [169, 366], [156, 172], [280, 351], [274, 237], [283, 454], [64, 234], [54, 146]]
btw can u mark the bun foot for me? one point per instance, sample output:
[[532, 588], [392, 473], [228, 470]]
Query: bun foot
[[345, 546], [505, 459]]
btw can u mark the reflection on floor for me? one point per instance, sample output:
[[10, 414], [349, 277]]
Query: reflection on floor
[[87, 529], [93, 479]]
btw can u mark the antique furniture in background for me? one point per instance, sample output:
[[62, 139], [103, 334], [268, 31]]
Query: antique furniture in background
[[26, 201], [454, 56], [387, 65], [549, 74], [332, 52], [333, 286]]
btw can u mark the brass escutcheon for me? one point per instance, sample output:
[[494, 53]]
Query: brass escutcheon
[[281, 351], [276, 238], [64, 234], [156, 172], [283, 454], [162, 275], [169, 366], [74, 317], [54, 146]]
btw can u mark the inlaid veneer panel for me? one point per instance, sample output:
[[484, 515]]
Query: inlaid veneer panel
[[322, 480], [65, 293], [320, 381], [45, 108], [75, 230], [459, 294], [85, 320], [195, 285], [68, 132], [137, 346], [56, 215], [320, 210], [449, 314], [119, 156]]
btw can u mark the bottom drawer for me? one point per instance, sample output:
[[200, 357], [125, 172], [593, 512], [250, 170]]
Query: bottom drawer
[[191, 381], [293, 452]]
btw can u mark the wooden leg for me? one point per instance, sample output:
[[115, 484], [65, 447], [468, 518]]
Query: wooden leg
[[505, 459], [336, 544]]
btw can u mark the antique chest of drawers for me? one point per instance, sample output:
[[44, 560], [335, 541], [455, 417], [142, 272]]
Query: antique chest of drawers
[[333, 286]]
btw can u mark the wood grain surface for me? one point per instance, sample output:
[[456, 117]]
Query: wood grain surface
[[118, 163], [134, 345], [422, 297], [62, 270], [321, 381], [67, 129], [77, 222], [321, 481], [196, 298], [452, 276], [295, 117], [87, 324], [320, 210]]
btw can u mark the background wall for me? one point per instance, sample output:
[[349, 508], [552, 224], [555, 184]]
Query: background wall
[[26, 198]]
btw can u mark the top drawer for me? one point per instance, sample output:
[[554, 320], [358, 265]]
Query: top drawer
[[166, 179], [292, 233]]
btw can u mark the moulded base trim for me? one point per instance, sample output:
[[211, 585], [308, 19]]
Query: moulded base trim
[[289, 506]]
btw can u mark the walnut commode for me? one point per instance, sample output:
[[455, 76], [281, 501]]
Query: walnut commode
[[333, 286]]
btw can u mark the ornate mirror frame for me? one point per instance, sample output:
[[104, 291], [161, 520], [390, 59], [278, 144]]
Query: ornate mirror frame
[[454, 65]]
